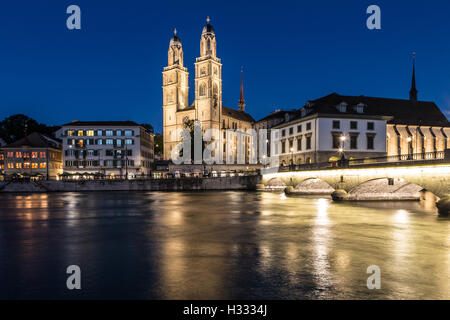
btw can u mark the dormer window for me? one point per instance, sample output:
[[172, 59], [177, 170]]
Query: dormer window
[[342, 107], [286, 117], [359, 108], [305, 111]]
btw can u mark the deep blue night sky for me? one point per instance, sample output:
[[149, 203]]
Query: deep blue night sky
[[291, 52]]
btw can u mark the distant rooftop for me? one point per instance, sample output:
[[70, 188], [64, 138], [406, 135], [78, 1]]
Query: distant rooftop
[[77, 123], [35, 140], [403, 111]]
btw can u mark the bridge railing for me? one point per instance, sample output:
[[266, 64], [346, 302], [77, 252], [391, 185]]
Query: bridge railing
[[344, 163]]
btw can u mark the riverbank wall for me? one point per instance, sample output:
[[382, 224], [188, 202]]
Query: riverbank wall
[[182, 184]]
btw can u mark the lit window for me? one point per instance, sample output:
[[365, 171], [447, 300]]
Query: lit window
[[10, 154], [42, 165], [42, 154], [26, 154], [80, 133], [90, 133], [34, 165], [26, 165], [18, 165], [18, 154], [34, 154], [70, 133], [10, 165]]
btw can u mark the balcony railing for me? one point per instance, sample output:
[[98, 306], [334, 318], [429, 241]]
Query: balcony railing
[[403, 158]]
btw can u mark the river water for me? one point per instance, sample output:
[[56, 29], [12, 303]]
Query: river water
[[219, 245]]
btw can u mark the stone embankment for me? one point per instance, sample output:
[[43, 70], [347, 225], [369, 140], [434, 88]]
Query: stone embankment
[[183, 184]]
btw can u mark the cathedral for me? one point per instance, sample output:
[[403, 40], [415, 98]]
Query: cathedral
[[207, 106]]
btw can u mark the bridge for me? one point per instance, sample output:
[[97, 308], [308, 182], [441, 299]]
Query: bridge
[[384, 178]]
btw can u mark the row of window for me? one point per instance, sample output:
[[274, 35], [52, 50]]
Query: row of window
[[337, 143], [299, 129], [99, 133], [353, 125], [95, 153], [89, 142], [97, 163], [299, 145], [27, 165], [25, 155]]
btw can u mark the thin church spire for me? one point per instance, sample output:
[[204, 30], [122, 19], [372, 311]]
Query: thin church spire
[[241, 100], [413, 91]]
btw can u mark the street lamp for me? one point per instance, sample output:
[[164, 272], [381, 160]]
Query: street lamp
[[341, 149], [292, 156]]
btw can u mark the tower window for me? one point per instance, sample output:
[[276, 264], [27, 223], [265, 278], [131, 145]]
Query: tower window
[[202, 89]]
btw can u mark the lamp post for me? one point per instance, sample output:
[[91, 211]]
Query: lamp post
[[126, 160], [409, 139], [292, 157], [341, 150]]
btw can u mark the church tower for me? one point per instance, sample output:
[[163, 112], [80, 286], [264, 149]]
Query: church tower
[[175, 93], [208, 81]]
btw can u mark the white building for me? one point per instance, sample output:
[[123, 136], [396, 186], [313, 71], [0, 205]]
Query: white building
[[317, 135], [110, 148]]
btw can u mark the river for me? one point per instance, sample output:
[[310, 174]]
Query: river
[[219, 245]]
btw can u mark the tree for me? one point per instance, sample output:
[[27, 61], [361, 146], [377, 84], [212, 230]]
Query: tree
[[148, 127], [13, 128], [159, 144]]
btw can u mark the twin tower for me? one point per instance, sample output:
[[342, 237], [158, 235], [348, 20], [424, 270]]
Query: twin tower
[[207, 106]]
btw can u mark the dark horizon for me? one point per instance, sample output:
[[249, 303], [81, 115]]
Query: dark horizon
[[111, 68]]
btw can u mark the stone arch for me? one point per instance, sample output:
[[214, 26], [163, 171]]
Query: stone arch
[[275, 184], [313, 186], [386, 189]]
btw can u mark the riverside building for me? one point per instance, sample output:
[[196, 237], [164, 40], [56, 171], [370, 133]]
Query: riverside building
[[36, 156], [107, 148]]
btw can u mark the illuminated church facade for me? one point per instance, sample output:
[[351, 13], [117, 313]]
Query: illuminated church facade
[[207, 106]]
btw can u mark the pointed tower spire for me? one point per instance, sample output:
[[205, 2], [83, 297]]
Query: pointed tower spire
[[241, 100], [413, 91]]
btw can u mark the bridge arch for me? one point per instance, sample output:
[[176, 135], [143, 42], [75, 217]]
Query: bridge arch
[[313, 186], [386, 188], [275, 184]]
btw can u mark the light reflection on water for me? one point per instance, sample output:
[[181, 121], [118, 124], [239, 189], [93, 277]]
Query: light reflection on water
[[220, 245]]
